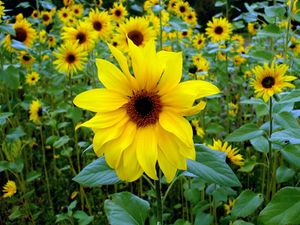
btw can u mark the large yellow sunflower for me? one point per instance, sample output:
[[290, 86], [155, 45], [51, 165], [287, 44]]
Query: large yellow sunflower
[[270, 80], [101, 23], [219, 29], [70, 58], [137, 30], [232, 154], [32, 78], [24, 33], [84, 34], [139, 119], [118, 12]]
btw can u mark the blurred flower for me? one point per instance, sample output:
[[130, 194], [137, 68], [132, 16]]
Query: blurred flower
[[172, 5], [219, 29], [9, 189], [191, 18], [35, 14], [46, 17], [77, 10], [26, 59], [270, 80], [68, 2], [137, 30], [32, 78], [35, 111], [101, 23], [118, 12], [233, 109], [1, 10], [51, 41], [252, 28], [228, 207], [148, 4], [84, 34], [70, 58], [232, 154], [43, 36], [198, 41], [182, 8], [197, 130], [238, 60], [140, 119], [64, 14]]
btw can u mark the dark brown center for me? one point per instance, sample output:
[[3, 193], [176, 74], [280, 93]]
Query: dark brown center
[[97, 25], [26, 57], [33, 78], [268, 82], [190, 17], [219, 30], [136, 36], [184, 33], [118, 13], [21, 34], [182, 9], [115, 44], [143, 108], [76, 11], [40, 112], [35, 15], [70, 58], [199, 42], [65, 15], [46, 17], [81, 37]]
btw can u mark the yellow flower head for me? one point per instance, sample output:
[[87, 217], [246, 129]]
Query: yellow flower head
[[35, 14], [228, 207], [191, 18], [182, 8], [32, 78], [232, 154], [46, 17], [51, 41], [77, 10], [9, 189], [35, 111], [118, 12], [197, 129], [233, 109], [199, 41], [172, 5], [64, 14], [68, 2], [270, 80], [84, 34], [70, 58], [238, 60], [252, 28], [137, 30], [1, 10], [140, 121], [101, 23], [26, 59], [43, 36], [219, 29]]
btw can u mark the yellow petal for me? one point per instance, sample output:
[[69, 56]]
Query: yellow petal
[[146, 150], [113, 149], [168, 169], [129, 168], [100, 100], [172, 70], [103, 120], [194, 110], [178, 126], [198, 88], [112, 78]]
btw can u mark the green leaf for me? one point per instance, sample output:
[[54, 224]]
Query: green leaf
[[83, 218], [261, 55], [32, 175], [213, 169], [246, 204], [4, 165], [293, 96], [16, 213], [4, 116], [291, 153], [270, 30], [61, 141], [97, 173], [284, 174], [283, 209], [15, 134], [203, 219], [18, 45], [286, 120], [275, 11], [245, 132], [126, 209], [249, 165], [260, 144], [8, 28], [23, 5], [10, 77], [241, 222], [286, 136]]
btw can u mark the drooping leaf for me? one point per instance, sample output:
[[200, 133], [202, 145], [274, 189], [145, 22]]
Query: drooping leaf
[[287, 136], [284, 174], [126, 209], [245, 132], [203, 219], [291, 153], [61, 141]]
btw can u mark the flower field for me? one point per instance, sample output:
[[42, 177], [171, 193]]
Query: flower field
[[150, 112]]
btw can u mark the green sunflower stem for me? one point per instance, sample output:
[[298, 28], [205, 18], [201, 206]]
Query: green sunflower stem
[[159, 201]]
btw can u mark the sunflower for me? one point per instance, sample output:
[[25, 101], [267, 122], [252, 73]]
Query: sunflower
[[35, 111], [26, 59], [32, 78], [219, 29], [140, 119], [1, 10], [148, 4], [118, 12], [233, 109], [68, 2], [77, 10], [238, 60], [35, 14], [191, 18], [101, 23], [46, 17], [182, 8], [70, 58], [43, 36], [270, 80], [228, 207], [51, 41], [252, 28], [137, 30], [64, 14], [197, 130], [9, 189], [199, 41], [232, 154], [84, 34], [24, 33], [172, 5]]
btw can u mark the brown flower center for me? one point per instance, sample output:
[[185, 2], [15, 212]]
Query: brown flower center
[[184, 33], [118, 13], [97, 25], [65, 15], [26, 57], [46, 17], [40, 112], [182, 9], [143, 108], [115, 44], [199, 42], [268, 82], [33, 78], [21, 34], [70, 58], [136, 36], [81, 37], [219, 30], [76, 11]]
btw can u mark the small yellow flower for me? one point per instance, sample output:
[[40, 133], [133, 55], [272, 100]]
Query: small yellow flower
[[219, 29], [197, 129], [238, 60], [32, 78], [228, 207], [35, 111], [9, 189]]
